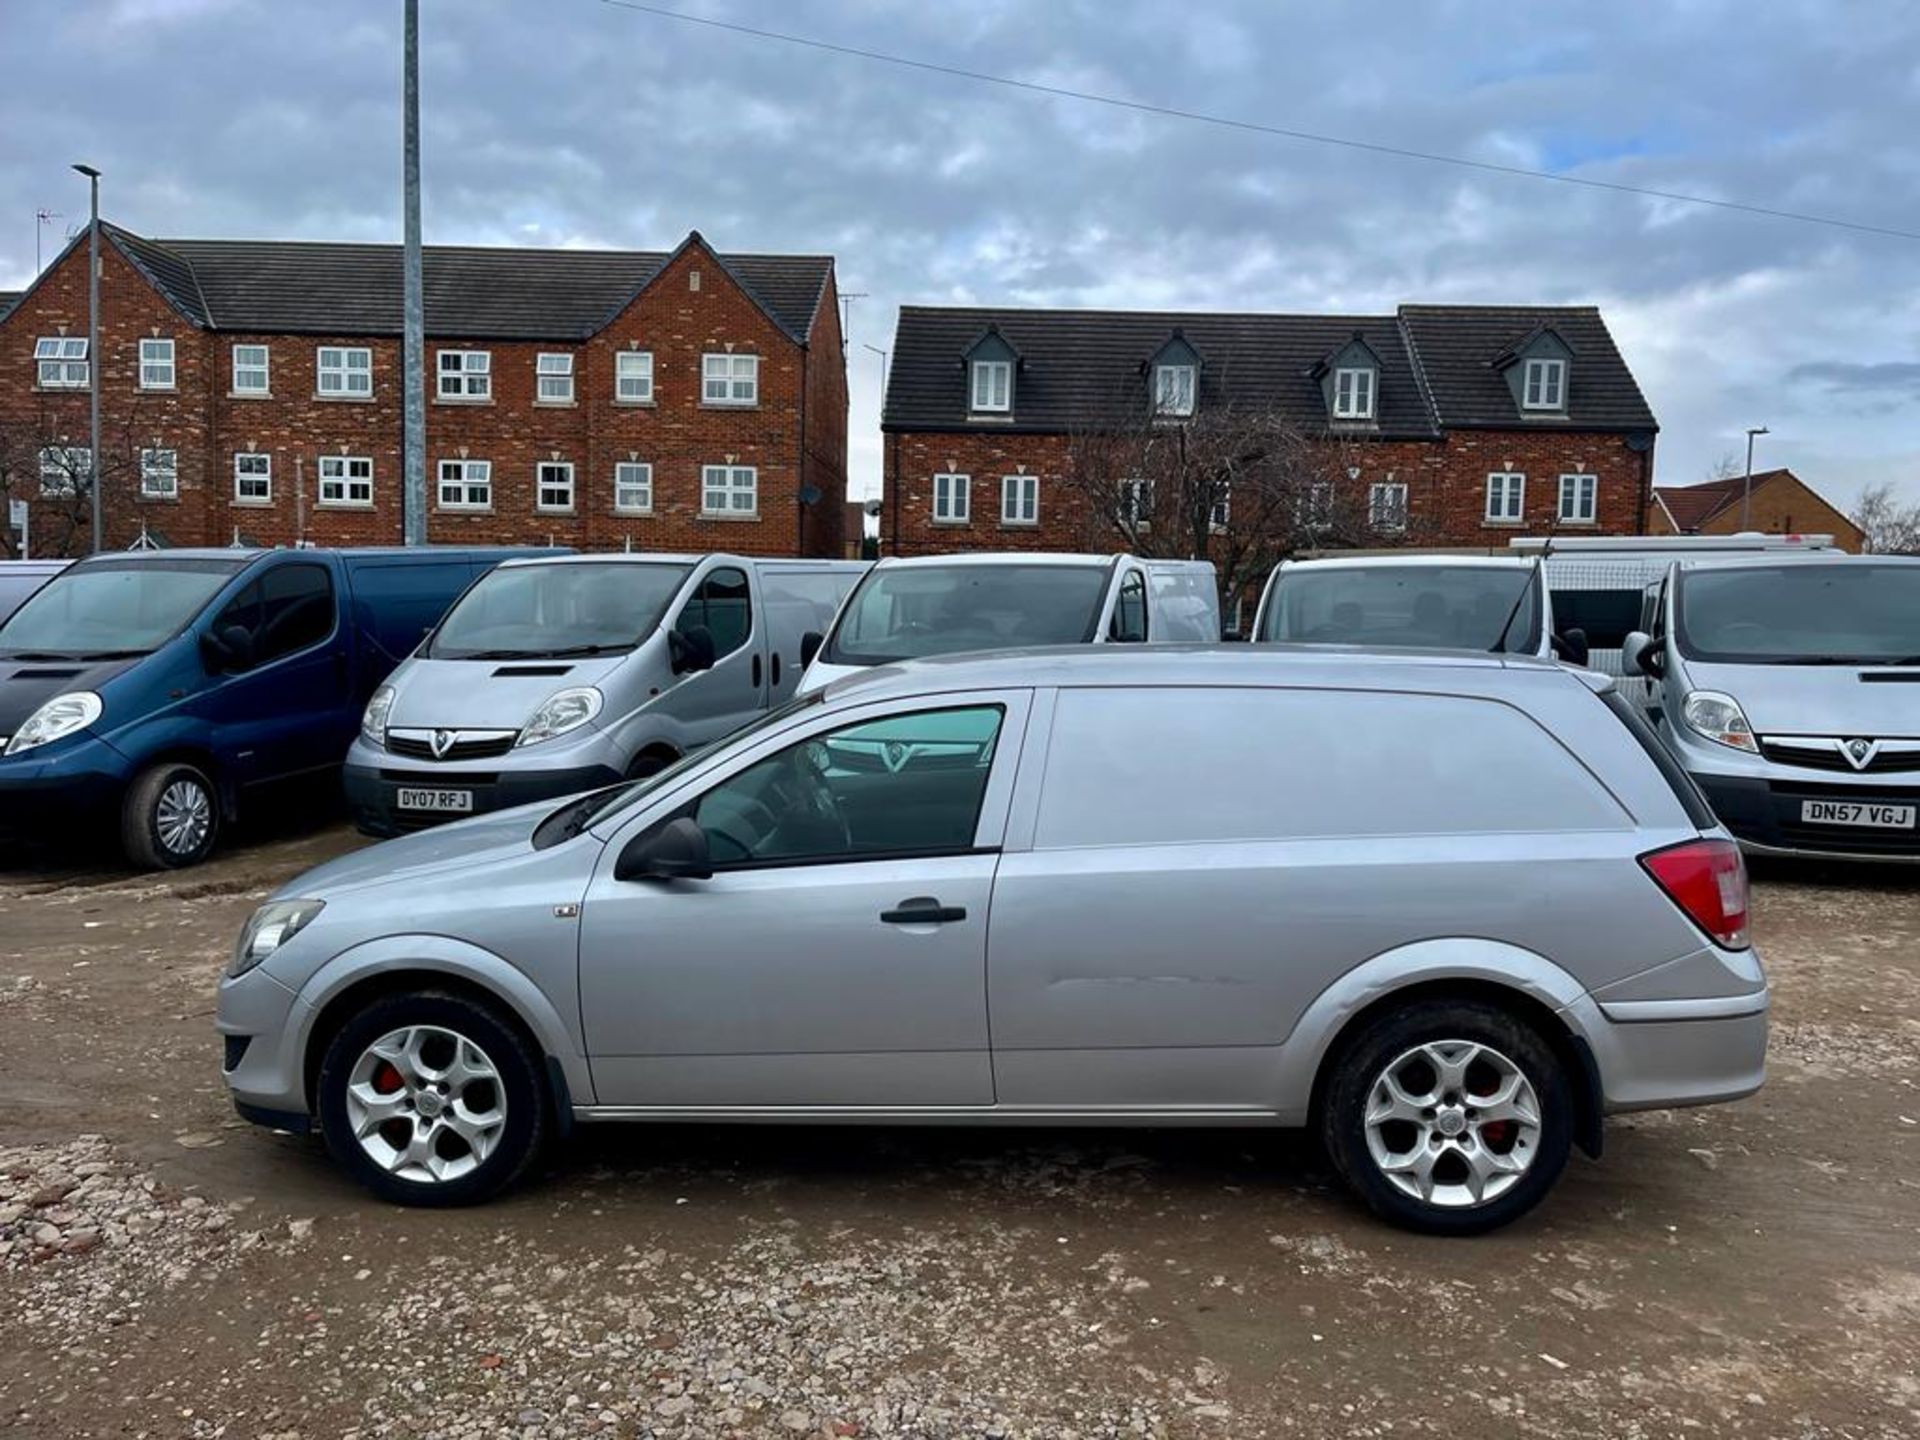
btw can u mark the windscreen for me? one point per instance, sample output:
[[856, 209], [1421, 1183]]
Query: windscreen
[[537, 612], [1435, 607], [919, 610], [1801, 613], [113, 607]]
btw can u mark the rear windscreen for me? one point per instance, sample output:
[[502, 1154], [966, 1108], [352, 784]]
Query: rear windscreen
[[1445, 607]]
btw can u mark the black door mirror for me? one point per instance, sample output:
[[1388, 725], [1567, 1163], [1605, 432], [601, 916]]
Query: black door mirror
[[810, 644], [691, 650], [676, 850], [227, 649], [1571, 646]]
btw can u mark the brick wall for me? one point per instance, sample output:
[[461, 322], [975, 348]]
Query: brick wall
[[1782, 505]]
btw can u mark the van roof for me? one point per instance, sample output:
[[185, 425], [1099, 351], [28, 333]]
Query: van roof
[[1416, 562], [999, 557], [1797, 559], [661, 557]]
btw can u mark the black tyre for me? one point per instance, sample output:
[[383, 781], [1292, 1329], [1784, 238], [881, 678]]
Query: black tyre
[[432, 1099], [1448, 1117], [170, 817]]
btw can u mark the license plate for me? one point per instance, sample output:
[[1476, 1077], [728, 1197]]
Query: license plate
[[456, 800], [1857, 812]]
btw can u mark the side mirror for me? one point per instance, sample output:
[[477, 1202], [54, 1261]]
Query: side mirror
[[674, 851], [1640, 654], [227, 650], [1571, 646], [690, 650], [810, 644]]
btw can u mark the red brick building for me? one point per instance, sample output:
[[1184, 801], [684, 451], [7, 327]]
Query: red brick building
[[1451, 425], [683, 401], [1777, 502]]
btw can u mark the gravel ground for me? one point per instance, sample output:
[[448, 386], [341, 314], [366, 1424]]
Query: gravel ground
[[1752, 1270]]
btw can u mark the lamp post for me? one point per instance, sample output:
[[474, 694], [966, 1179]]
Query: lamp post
[[1746, 495], [413, 348], [883, 439], [93, 353]]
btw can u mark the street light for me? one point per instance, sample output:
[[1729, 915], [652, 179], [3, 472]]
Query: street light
[[883, 410], [93, 353], [1746, 496]]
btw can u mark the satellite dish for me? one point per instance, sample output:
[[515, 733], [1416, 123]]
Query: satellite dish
[[809, 494], [873, 507]]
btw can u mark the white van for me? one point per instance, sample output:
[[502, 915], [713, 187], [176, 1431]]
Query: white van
[[909, 609]]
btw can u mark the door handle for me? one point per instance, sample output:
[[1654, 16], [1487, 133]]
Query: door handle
[[923, 910], [756, 670]]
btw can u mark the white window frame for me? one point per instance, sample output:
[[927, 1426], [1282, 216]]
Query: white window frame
[[467, 476], [156, 363], [1506, 501], [346, 474], [1020, 500], [1353, 392], [630, 476], [633, 377], [64, 465], [553, 377], [471, 375], [1173, 389], [240, 367], [159, 474], [1314, 506], [1387, 507], [61, 362], [341, 369], [952, 498], [727, 378], [244, 469], [729, 483], [1543, 384], [1137, 498], [1576, 513], [1220, 513], [990, 387], [553, 475]]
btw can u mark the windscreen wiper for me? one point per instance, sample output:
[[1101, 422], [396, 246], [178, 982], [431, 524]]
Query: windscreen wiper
[[111, 654], [568, 652]]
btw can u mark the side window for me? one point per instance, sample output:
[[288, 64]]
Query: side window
[[724, 605], [296, 611], [905, 785], [1130, 610], [1653, 609], [242, 612]]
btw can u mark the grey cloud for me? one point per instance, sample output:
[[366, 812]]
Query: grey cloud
[[1845, 375]]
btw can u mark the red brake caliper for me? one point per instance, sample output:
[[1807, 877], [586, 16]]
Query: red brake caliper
[[386, 1079]]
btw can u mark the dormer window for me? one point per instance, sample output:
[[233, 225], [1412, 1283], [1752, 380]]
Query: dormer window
[[1544, 385], [1173, 389], [993, 386], [1353, 392]]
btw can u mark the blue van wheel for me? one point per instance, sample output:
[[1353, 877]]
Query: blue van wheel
[[170, 818]]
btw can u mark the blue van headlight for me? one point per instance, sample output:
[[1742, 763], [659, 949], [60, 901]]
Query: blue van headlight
[[560, 712], [56, 719]]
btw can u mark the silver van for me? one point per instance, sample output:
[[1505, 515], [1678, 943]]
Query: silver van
[[1789, 688], [553, 676], [1087, 888], [912, 608]]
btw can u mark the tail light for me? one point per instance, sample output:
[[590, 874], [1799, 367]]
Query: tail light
[[1708, 880]]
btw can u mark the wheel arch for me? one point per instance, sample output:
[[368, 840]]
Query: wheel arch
[[201, 758]]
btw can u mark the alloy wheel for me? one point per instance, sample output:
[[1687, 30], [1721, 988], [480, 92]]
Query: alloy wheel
[[1453, 1123], [426, 1104]]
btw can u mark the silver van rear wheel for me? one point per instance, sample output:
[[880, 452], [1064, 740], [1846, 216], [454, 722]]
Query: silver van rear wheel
[[1453, 1123]]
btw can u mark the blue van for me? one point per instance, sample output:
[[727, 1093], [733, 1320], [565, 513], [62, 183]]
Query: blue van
[[161, 690]]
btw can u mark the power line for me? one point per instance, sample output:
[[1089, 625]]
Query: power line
[[1255, 127]]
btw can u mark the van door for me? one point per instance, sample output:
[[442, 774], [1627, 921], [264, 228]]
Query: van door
[[1130, 624], [726, 604]]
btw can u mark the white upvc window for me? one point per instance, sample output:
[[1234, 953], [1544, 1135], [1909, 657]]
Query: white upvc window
[[466, 484], [1506, 495], [633, 487], [1314, 505], [156, 364], [1544, 385], [732, 490], [1353, 392], [1387, 506], [64, 469], [993, 386], [1173, 389], [61, 362], [730, 379], [464, 375], [1136, 499], [1579, 499], [1220, 513], [159, 474], [553, 485], [344, 370], [1019, 499], [952, 499], [253, 478], [633, 377], [250, 370], [553, 376], [346, 480]]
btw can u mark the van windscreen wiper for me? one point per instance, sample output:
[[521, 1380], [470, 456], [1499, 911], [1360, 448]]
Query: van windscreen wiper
[[569, 652], [111, 654]]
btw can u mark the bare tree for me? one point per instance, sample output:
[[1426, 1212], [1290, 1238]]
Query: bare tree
[[1890, 527], [1728, 467], [44, 461]]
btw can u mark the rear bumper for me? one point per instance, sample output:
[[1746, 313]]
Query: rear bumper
[[1654, 1054], [70, 790], [372, 792], [1764, 815]]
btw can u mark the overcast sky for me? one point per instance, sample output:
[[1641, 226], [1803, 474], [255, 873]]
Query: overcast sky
[[571, 122]]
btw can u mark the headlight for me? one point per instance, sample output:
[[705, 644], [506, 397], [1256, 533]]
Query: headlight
[[1718, 717], [561, 712], [60, 716], [373, 724], [272, 925]]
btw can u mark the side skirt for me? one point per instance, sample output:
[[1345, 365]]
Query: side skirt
[[927, 1115]]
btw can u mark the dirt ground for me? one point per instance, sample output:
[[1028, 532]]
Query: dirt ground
[[1750, 1270]]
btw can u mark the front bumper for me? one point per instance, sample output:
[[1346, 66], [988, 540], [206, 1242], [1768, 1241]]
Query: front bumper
[[1763, 812], [260, 1021], [373, 790], [68, 787]]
